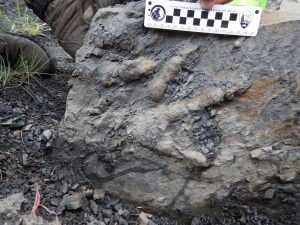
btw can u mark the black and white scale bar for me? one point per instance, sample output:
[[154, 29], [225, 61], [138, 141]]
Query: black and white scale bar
[[185, 16]]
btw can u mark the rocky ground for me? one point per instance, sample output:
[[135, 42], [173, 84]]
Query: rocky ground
[[28, 129]]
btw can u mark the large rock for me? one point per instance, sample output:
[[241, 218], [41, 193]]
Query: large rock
[[176, 120]]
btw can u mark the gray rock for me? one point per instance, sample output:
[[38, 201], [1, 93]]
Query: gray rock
[[75, 186], [122, 222], [269, 194], [5, 109], [74, 201], [176, 120], [47, 134], [117, 207], [12, 204], [54, 201], [96, 222], [14, 123], [124, 213], [144, 219], [106, 220], [107, 213], [64, 188], [94, 206], [99, 194], [25, 159], [37, 220]]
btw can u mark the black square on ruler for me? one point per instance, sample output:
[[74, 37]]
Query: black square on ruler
[[169, 19], [204, 14], [224, 24], [176, 12], [182, 20], [191, 13], [196, 22], [210, 23], [219, 15], [233, 16]]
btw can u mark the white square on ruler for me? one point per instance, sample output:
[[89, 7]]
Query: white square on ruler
[[189, 21], [211, 15], [197, 14], [176, 20], [226, 16], [217, 24]]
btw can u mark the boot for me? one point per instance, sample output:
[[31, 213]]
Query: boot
[[14, 48], [68, 19]]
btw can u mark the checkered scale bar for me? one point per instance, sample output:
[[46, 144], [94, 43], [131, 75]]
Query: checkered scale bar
[[222, 19]]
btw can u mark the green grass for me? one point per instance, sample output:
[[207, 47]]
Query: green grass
[[24, 71], [23, 23], [21, 74]]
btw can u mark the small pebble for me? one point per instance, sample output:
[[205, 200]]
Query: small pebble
[[237, 44], [47, 134], [25, 159], [94, 207], [75, 186], [64, 188], [74, 201], [99, 194], [269, 194], [107, 213], [124, 213], [54, 201]]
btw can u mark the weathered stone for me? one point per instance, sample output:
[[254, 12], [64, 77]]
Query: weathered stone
[[199, 121], [99, 194], [74, 201], [94, 206], [107, 213], [37, 220], [144, 218], [47, 134], [12, 203], [269, 194]]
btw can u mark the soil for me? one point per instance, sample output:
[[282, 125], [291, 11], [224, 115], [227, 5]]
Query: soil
[[28, 128]]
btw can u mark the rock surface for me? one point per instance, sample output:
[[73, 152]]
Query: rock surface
[[177, 120]]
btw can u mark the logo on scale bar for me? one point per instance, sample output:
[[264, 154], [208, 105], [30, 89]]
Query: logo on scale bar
[[158, 13], [245, 19]]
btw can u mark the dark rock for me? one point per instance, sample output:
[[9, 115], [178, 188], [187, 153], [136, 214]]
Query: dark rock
[[269, 194], [5, 109], [174, 120]]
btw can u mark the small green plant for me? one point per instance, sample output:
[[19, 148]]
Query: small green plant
[[5, 71], [23, 23], [21, 74], [27, 25]]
